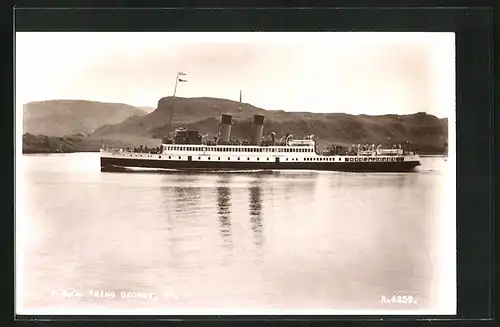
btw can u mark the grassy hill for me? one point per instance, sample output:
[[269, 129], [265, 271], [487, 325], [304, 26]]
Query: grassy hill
[[79, 143], [68, 117], [147, 109], [427, 133]]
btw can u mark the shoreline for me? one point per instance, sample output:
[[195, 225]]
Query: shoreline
[[97, 151], [59, 152]]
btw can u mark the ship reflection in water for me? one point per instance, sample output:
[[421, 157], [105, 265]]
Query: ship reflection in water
[[224, 210], [255, 208], [279, 240]]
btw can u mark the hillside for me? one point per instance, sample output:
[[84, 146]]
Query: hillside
[[78, 143], [147, 110], [427, 133], [65, 117]]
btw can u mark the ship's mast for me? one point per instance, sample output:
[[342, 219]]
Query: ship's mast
[[240, 106], [177, 80]]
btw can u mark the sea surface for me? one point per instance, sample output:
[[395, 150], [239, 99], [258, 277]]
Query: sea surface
[[239, 242]]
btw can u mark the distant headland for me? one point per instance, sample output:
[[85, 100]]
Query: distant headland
[[62, 126]]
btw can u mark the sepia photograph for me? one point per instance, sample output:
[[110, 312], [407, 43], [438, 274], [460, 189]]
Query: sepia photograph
[[235, 173]]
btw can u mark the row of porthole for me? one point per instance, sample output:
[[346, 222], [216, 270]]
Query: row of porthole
[[309, 159], [321, 159], [375, 159], [248, 158], [229, 158]]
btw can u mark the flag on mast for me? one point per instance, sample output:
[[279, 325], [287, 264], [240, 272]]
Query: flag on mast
[[181, 74], [182, 80]]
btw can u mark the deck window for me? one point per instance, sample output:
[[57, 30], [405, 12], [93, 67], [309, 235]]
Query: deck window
[[228, 158], [199, 158], [258, 158], [248, 158], [218, 158], [169, 157], [238, 158], [179, 157], [208, 158]]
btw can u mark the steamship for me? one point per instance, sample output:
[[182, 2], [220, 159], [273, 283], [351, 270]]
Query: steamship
[[188, 150]]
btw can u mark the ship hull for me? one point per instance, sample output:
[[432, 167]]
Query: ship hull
[[121, 164]]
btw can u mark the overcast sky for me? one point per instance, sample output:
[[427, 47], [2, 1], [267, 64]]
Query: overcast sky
[[370, 73]]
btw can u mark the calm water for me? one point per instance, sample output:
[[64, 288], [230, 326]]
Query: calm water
[[226, 241]]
